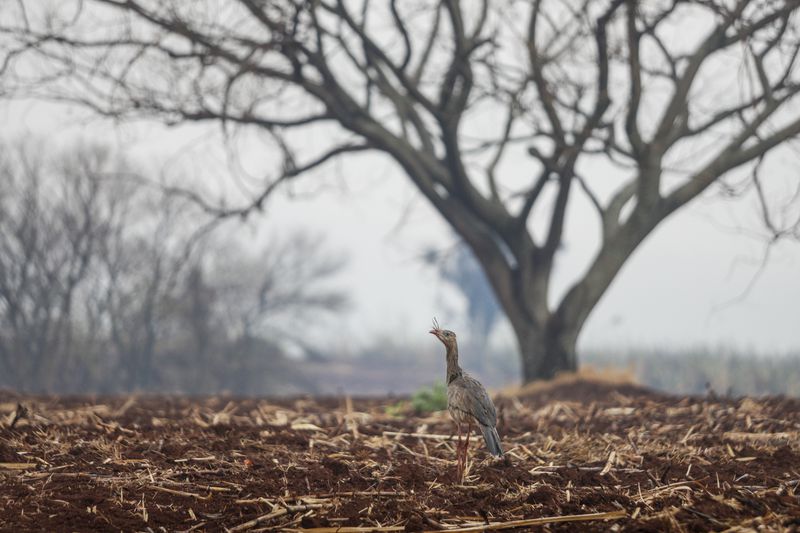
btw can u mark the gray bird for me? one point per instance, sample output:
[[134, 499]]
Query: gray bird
[[467, 401]]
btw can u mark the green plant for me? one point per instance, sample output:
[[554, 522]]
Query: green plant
[[429, 399], [397, 409]]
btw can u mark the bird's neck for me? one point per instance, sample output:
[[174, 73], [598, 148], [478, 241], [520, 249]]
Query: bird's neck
[[453, 370]]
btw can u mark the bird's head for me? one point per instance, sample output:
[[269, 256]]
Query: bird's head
[[447, 337]]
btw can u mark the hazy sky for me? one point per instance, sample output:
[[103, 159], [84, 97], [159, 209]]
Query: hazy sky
[[681, 288]]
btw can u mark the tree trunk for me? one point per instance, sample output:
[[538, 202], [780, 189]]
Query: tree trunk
[[546, 351]]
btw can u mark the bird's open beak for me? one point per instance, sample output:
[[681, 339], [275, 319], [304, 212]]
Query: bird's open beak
[[434, 332]]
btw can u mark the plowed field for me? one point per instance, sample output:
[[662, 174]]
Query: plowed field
[[609, 457]]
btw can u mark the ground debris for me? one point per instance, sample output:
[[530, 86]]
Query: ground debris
[[609, 456]]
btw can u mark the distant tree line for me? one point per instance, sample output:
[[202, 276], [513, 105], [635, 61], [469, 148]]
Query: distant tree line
[[701, 370], [108, 284]]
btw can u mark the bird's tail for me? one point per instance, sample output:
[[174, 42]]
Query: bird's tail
[[492, 440]]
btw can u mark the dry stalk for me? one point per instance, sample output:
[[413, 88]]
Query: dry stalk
[[352, 423], [761, 437], [418, 435], [19, 413], [349, 529], [17, 466], [179, 492], [276, 513], [611, 515]]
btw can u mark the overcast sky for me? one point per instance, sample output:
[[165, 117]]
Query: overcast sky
[[685, 286]]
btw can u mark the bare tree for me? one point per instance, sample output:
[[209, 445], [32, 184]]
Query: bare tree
[[673, 95], [51, 223], [142, 268], [285, 282], [107, 285]]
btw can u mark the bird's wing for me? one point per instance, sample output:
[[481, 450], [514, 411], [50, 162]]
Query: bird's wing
[[477, 402]]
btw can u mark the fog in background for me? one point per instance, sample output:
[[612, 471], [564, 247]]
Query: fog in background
[[705, 286], [700, 279], [700, 289]]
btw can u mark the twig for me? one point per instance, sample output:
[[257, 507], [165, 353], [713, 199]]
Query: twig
[[352, 529], [547, 469], [759, 437], [611, 515], [250, 501], [17, 466], [350, 493], [704, 515], [260, 520], [68, 475], [275, 513], [609, 463], [418, 435], [179, 492], [423, 456], [352, 423], [20, 412], [435, 524], [196, 526]]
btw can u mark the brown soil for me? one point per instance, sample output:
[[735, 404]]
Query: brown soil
[[179, 464]]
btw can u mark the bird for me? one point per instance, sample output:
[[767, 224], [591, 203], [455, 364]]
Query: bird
[[467, 401]]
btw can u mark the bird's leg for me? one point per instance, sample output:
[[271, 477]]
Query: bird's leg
[[460, 466], [466, 444]]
